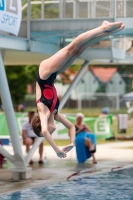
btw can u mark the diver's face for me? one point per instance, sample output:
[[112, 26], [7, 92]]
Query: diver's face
[[51, 128]]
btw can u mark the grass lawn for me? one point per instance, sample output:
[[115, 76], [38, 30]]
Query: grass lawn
[[66, 142], [92, 112], [88, 112]]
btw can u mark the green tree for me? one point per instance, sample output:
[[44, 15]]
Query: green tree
[[18, 78], [72, 69], [101, 89], [31, 71], [50, 11]]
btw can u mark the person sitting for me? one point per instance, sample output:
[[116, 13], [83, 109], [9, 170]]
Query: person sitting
[[29, 137], [85, 140]]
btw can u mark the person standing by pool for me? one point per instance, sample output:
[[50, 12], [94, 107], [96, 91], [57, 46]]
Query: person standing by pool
[[46, 95]]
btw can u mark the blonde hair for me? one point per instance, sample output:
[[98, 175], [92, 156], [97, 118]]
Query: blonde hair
[[79, 115]]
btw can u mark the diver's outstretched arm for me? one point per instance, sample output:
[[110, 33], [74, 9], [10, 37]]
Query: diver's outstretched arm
[[71, 130]]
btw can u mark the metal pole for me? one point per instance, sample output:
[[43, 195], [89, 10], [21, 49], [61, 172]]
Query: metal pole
[[6, 154], [10, 117], [117, 103], [93, 8], [64, 9], [115, 10], [125, 5], [74, 9], [111, 8], [73, 84], [28, 23], [42, 10], [79, 102], [60, 9], [88, 9], [32, 150]]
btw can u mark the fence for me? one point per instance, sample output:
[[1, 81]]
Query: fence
[[55, 9], [98, 100]]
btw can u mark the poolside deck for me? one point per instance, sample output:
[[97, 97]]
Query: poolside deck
[[108, 155]]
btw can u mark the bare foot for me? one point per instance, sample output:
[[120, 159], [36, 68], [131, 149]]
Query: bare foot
[[109, 27], [118, 29], [68, 148], [105, 34]]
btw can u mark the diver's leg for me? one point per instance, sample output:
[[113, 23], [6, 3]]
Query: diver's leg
[[58, 60], [86, 45]]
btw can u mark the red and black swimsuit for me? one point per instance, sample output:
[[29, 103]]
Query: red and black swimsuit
[[48, 92]]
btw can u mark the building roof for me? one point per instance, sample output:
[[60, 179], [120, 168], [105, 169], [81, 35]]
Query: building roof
[[69, 76], [103, 74]]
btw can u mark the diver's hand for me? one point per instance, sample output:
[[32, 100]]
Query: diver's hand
[[68, 148], [61, 153]]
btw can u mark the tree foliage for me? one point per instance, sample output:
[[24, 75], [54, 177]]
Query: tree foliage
[[50, 11], [66, 76], [18, 77]]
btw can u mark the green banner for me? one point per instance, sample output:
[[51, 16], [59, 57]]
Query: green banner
[[20, 118], [100, 126]]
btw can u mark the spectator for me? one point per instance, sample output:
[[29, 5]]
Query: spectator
[[21, 108], [85, 140], [29, 137], [1, 157], [106, 113]]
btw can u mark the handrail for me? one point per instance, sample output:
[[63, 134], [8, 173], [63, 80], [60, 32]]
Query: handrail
[[86, 8]]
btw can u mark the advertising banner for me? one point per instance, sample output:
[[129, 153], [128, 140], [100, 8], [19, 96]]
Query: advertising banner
[[10, 16], [100, 126], [20, 118]]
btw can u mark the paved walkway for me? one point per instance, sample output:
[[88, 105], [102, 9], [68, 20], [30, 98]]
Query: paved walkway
[[55, 170]]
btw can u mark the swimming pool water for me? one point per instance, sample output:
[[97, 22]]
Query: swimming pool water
[[117, 185]]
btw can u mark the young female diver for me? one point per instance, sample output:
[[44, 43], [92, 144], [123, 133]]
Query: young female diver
[[46, 95]]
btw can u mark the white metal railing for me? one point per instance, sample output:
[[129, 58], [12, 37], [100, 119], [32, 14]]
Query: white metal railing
[[60, 9], [89, 95]]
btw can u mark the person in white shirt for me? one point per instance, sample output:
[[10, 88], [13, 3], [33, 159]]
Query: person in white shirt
[[29, 137]]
